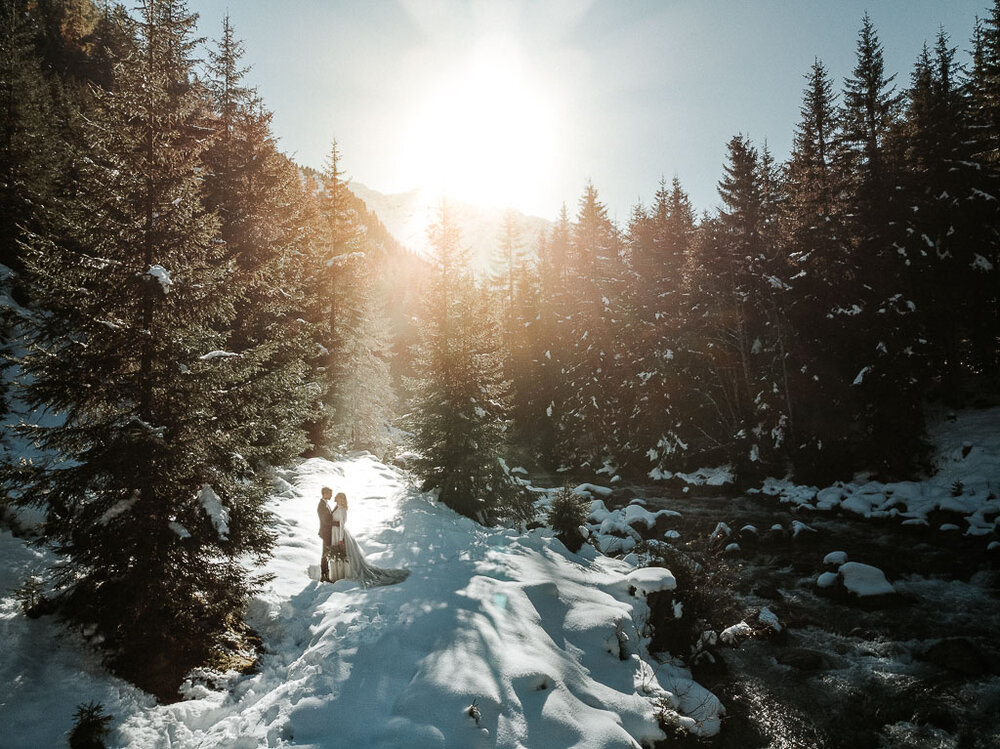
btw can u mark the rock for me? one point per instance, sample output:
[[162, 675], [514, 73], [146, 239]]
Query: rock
[[747, 535], [835, 558], [732, 550], [956, 654], [774, 535], [803, 532], [802, 659]]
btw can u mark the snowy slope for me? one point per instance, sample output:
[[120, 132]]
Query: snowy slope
[[544, 643], [965, 483], [408, 215]]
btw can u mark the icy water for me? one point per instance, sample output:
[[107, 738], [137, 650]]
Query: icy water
[[917, 670]]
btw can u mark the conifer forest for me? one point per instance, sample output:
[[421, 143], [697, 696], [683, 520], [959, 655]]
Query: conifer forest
[[193, 320]]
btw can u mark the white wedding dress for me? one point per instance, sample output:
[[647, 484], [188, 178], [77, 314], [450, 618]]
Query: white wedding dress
[[356, 567]]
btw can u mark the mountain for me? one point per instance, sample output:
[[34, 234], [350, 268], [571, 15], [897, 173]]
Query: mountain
[[408, 215]]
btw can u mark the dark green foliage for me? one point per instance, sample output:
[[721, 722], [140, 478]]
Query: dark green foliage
[[255, 193], [350, 326], [459, 417], [566, 514], [158, 509], [90, 727], [31, 595]]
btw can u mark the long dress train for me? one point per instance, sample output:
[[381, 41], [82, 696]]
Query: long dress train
[[358, 568]]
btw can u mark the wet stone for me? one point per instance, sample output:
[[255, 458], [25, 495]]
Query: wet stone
[[802, 659], [957, 654]]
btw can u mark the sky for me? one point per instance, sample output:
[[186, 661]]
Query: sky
[[520, 103]]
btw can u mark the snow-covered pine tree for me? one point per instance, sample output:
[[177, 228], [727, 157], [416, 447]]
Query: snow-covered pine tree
[[881, 327], [983, 87], [951, 229], [349, 320], [591, 423], [660, 243], [153, 522], [735, 336], [255, 192], [817, 245], [459, 417]]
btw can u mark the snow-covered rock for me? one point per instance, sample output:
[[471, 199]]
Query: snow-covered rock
[[863, 580]]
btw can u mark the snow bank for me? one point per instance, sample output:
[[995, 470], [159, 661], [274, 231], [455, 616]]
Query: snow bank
[[966, 481], [546, 645]]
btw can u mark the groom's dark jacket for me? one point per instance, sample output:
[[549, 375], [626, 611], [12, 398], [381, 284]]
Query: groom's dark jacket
[[325, 522]]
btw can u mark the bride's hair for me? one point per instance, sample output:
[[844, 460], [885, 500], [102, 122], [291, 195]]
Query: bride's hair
[[341, 499]]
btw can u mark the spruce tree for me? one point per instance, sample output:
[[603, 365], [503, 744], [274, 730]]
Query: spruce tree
[[459, 416], [255, 193], [591, 421], [348, 318], [883, 331], [151, 513], [817, 242]]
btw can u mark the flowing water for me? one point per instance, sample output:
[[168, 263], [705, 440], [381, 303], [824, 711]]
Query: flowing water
[[918, 669]]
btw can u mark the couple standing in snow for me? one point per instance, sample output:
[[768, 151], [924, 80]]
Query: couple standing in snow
[[342, 557]]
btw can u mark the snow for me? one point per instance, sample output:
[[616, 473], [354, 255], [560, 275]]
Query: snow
[[547, 645], [981, 263], [715, 476], [965, 480], [651, 580], [119, 508], [217, 355], [215, 510], [835, 558], [864, 580], [162, 275], [826, 580], [732, 635]]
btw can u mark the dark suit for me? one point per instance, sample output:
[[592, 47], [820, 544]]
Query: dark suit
[[326, 533]]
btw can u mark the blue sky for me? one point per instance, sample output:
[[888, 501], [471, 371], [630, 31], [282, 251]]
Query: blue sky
[[521, 102]]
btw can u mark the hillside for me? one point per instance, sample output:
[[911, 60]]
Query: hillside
[[408, 215]]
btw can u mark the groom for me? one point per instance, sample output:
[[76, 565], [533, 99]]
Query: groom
[[325, 531]]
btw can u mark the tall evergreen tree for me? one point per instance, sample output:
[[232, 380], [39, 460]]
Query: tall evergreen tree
[[153, 519], [879, 302], [820, 275], [255, 192], [459, 417], [591, 422], [348, 319]]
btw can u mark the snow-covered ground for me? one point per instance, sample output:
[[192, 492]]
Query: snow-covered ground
[[965, 483], [497, 638]]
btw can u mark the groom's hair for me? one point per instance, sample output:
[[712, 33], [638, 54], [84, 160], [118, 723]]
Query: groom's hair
[[326, 490]]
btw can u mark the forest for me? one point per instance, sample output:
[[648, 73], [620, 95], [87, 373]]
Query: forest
[[186, 309]]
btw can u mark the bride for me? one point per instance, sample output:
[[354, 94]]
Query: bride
[[344, 557]]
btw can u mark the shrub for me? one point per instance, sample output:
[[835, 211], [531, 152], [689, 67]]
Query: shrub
[[90, 727], [30, 596], [566, 514]]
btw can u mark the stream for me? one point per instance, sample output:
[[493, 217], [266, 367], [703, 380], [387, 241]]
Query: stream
[[920, 668]]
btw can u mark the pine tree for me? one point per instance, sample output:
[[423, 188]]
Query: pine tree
[[883, 331], [255, 192], [30, 153], [152, 515], [737, 373], [459, 417], [591, 422], [820, 277], [983, 87]]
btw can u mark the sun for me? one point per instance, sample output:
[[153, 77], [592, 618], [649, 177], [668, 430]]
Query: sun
[[487, 133]]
